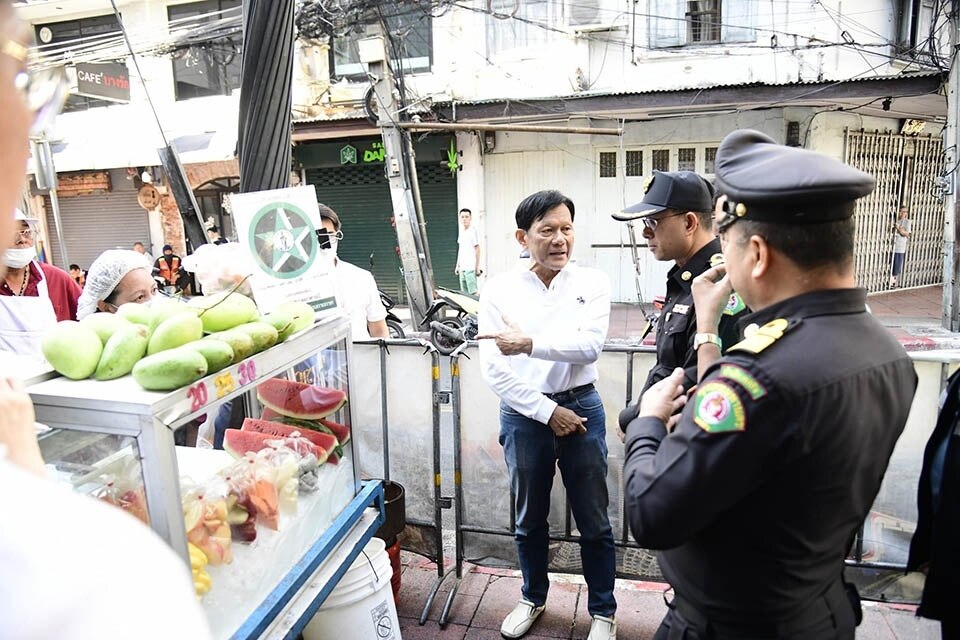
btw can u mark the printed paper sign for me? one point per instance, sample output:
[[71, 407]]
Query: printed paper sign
[[278, 229]]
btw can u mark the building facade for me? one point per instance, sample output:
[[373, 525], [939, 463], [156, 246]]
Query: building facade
[[858, 81]]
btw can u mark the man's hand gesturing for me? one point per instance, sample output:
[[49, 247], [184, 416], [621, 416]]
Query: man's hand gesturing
[[511, 340]]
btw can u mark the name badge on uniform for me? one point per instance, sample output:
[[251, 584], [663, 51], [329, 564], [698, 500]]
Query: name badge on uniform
[[681, 309]]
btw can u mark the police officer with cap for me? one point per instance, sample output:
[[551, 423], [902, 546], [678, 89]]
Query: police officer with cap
[[677, 216], [754, 492]]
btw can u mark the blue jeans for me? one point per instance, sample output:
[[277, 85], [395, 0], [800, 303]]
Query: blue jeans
[[533, 453]]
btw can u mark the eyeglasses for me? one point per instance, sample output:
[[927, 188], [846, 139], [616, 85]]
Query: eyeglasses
[[651, 223], [23, 234], [44, 89]]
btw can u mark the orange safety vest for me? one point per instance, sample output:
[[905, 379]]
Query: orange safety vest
[[169, 270]]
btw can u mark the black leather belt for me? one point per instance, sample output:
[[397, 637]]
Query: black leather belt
[[570, 394]]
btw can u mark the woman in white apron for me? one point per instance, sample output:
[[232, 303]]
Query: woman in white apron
[[24, 319]]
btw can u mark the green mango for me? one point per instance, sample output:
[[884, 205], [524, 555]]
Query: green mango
[[170, 369], [217, 353], [72, 349], [264, 335], [302, 314], [104, 324], [224, 311], [175, 331], [281, 321], [240, 342], [162, 307], [124, 348], [136, 312]]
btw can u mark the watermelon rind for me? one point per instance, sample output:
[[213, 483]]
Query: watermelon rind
[[286, 397]]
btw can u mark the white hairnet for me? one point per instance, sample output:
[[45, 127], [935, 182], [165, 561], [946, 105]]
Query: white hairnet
[[105, 274]]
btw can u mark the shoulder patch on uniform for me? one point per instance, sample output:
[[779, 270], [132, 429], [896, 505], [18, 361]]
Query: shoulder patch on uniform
[[718, 409], [734, 305], [763, 337], [744, 378]]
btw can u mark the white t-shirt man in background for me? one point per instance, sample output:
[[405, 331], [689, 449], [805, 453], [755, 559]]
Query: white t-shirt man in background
[[468, 254]]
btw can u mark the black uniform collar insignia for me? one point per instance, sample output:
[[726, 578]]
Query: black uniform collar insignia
[[696, 265]]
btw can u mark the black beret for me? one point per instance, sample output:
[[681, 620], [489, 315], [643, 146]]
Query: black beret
[[680, 190], [769, 182]]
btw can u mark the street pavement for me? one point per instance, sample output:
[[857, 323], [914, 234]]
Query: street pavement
[[485, 595]]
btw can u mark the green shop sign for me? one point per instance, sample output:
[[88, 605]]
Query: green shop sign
[[370, 151]]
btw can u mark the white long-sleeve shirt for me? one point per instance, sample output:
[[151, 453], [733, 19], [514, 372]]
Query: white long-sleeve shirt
[[568, 324]]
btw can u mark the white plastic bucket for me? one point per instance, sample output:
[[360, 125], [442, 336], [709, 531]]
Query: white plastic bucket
[[362, 601]]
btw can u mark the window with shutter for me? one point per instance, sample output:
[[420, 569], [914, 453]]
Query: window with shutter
[[697, 22]]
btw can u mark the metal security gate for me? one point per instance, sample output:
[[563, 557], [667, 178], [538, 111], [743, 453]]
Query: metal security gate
[[92, 224], [361, 197], [906, 168]]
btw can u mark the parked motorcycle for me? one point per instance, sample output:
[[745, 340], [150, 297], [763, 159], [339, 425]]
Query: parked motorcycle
[[452, 318], [394, 323]]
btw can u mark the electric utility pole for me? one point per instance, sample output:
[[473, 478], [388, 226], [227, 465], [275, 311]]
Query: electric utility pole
[[951, 258], [401, 172]]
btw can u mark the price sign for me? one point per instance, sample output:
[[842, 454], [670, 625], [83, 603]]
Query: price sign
[[247, 372], [198, 395], [224, 383]]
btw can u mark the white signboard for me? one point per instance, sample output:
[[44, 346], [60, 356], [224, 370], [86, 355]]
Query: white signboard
[[278, 229]]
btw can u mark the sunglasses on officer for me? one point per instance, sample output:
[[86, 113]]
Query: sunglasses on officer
[[45, 89]]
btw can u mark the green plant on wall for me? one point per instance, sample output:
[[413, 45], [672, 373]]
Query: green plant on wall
[[452, 159]]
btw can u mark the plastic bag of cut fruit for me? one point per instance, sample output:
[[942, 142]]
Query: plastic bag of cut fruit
[[205, 519], [253, 481], [124, 489], [220, 267], [242, 513], [285, 462]]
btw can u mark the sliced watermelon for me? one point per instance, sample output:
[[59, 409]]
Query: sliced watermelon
[[342, 431], [300, 400], [237, 442], [270, 414], [315, 426], [320, 441]]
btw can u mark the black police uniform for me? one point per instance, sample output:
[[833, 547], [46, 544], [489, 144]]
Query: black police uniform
[[677, 324], [776, 459]]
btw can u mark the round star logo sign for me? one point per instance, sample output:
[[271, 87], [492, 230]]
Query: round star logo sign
[[283, 240]]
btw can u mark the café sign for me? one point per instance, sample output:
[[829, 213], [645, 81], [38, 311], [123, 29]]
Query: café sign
[[107, 81]]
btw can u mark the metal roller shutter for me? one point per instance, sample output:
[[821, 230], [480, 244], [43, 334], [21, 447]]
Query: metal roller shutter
[[93, 224], [361, 197]]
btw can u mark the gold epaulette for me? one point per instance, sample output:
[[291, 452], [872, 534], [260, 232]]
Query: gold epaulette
[[763, 337]]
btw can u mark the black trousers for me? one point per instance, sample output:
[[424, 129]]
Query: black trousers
[[830, 617]]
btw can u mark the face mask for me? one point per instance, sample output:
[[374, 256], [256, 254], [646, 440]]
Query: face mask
[[19, 258], [331, 252]]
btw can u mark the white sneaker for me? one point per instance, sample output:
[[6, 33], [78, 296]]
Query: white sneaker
[[519, 621], [603, 629]]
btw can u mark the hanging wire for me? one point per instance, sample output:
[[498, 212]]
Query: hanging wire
[[136, 65]]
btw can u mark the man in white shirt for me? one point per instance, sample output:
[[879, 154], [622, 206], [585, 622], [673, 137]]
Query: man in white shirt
[[541, 332], [356, 290], [468, 254]]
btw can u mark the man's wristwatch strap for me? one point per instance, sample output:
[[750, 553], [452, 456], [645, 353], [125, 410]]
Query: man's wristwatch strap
[[701, 339]]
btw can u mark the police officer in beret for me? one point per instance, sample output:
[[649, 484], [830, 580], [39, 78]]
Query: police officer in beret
[[754, 492], [677, 216]]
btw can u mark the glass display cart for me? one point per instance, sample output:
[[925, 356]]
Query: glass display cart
[[116, 442]]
